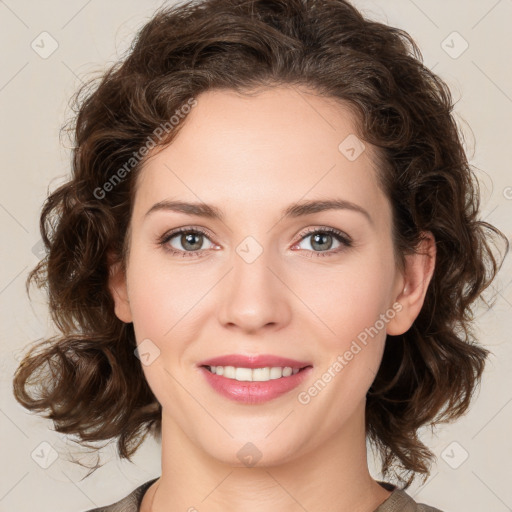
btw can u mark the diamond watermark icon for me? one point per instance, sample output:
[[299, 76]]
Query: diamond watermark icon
[[147, 351], [249, 249], [249, 455], [454, 455], [44, 45], [454, 45], [351, 147], [44, 454]]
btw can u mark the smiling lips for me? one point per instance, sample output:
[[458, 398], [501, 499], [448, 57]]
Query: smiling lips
[[253, 379]]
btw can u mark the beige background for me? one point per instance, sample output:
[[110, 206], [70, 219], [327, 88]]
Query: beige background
[[34, 92]]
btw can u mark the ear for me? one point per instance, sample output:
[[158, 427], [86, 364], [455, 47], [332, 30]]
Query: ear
[[119, 290], [419, 269]]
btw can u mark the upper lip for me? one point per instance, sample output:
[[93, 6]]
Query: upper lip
[[254, 361]]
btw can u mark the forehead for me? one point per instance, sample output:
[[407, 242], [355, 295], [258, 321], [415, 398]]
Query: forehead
[[263, 151]]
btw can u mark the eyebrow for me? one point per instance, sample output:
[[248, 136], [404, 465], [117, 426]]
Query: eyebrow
[[293, 211]]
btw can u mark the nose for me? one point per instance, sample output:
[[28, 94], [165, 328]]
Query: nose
[[254, 296]]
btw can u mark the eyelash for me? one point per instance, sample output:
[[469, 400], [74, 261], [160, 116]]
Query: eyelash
[[338, 235]]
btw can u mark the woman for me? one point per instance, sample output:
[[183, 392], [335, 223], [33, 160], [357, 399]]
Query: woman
[[266, 255]]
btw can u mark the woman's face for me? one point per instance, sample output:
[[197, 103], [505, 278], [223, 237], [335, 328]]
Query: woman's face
[[255, 281]]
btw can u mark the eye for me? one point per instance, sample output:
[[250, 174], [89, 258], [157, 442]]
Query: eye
[[322, 241], [189, 241]]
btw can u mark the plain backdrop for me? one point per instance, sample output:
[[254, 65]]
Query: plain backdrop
[[47, 48]]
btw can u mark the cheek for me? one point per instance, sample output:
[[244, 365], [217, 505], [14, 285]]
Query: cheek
[[162, 301], [349, 299], [162, 297]]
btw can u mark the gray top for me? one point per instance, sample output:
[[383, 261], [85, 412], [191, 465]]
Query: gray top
[[398, 501]]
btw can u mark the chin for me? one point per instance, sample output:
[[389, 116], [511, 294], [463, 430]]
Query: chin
[[249, 452]]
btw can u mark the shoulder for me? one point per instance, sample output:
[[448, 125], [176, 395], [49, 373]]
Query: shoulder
[[400, 501], [130, 503]]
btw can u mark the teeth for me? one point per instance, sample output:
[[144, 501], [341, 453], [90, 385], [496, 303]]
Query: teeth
[[229, 372], [243, 374], [261, 374], [254, 374], [287, 371]]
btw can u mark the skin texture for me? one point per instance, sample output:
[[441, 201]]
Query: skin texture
[[251, 157]]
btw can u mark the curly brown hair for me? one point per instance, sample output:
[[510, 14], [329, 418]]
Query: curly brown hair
[[95, 387]]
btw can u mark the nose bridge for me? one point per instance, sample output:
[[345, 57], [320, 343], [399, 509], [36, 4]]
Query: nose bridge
[[253, 297]]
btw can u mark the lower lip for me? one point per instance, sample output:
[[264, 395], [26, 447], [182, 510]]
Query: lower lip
[[254, 392]]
